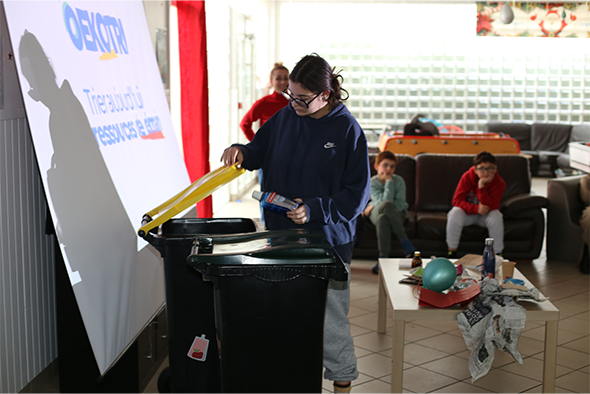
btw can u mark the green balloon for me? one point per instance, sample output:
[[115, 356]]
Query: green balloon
[[439, 274]]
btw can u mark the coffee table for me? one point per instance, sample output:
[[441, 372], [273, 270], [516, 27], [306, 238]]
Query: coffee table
[[405, 307]]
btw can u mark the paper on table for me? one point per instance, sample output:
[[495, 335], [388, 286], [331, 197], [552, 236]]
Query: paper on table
[[470, 260], [405, 264]]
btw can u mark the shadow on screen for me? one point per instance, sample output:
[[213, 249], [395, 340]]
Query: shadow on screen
[[92, 226]]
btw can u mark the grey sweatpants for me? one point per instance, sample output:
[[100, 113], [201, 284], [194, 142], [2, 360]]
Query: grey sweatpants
[[339, 357], [458, 218]]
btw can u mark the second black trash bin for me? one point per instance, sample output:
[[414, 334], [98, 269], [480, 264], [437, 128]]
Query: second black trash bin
[[270, 297]]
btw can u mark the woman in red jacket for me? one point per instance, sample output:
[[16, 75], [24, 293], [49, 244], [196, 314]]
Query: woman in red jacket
[[267, 106]]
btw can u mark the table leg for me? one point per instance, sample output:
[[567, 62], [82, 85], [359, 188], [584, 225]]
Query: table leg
[[397, 356], [381, 305], [550, 357]]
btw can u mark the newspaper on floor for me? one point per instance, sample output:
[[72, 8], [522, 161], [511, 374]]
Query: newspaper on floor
[[493, 321]]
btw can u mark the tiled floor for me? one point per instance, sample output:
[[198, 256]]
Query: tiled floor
[[436, 357]]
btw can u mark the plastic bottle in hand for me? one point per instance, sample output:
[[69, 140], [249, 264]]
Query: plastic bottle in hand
[[489, 260], [275, 202]]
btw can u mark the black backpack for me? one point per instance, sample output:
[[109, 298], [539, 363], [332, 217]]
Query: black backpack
[[415, 127]]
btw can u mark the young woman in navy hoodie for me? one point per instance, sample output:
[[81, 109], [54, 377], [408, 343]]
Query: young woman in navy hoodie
[[315, 152]]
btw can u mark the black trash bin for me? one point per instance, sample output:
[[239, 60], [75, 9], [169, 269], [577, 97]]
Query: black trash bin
[[270, 299], [189, 305]]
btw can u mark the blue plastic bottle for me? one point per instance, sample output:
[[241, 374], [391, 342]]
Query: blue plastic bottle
[[489, 260], [275, 202]]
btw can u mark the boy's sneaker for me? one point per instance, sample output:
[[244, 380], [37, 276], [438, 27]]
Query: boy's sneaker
[[409, 249], [375, 269], [452, 254]]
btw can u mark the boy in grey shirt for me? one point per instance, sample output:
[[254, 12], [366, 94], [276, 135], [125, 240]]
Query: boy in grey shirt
[[388, 207]]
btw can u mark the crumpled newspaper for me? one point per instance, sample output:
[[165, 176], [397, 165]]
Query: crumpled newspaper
[[493, 321], [491, 287]]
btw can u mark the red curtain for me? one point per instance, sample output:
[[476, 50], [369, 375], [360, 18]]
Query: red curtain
[[194, 93]]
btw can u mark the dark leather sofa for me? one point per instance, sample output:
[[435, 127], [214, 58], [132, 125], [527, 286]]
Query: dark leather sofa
[[564, 233], [547, 144], [431, 180]]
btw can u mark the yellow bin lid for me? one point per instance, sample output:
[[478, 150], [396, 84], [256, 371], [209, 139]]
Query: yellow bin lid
[[197, 191]]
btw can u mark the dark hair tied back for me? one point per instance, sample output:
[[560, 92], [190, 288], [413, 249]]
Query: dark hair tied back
[[278, 66], [315, 74]]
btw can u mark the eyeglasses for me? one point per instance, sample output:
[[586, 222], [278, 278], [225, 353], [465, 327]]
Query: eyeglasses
[[299, 101], [486, 169]]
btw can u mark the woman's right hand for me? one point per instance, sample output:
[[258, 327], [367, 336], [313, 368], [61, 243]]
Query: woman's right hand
[[232, 155]]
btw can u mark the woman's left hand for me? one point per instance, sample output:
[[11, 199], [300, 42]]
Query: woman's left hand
[[298, 215]]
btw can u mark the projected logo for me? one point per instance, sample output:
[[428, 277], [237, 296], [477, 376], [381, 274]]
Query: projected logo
[[95, 32]]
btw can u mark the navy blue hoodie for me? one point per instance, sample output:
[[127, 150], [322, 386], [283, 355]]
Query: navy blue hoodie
[[322, 161]]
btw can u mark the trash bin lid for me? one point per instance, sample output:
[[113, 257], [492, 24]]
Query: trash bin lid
[[268, 255], [183, 231], [267, 247]]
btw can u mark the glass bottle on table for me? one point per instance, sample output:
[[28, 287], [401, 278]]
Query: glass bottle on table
[[417, 260]]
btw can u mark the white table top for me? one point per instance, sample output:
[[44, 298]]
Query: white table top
[[405, 302], [580, 156]]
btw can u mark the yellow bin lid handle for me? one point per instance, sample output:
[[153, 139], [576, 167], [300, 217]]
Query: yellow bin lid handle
[[197, 191]]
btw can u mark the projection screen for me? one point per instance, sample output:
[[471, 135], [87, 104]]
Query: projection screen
[[107, 153]]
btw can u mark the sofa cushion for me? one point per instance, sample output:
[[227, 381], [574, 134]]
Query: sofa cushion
[[519, 131], [431, 225], [550, 137], [366, 234], [514, 169], [580, 133], [563, 161], [409, 226], [437, 177], [533, 158], [519, 234], [406, 168], [515, 204]]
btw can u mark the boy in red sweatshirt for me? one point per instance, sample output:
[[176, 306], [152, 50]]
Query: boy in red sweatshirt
[[477, 201]]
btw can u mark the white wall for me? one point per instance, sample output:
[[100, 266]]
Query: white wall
[[224, 115], [28, 339]]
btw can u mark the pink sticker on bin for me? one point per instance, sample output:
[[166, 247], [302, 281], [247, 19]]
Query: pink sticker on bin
[[198, 350]]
